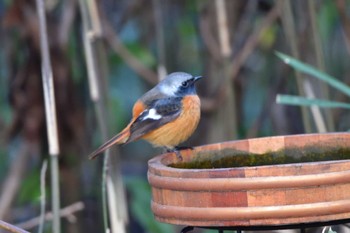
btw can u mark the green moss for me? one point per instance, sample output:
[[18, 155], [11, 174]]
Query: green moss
[[234, 158]]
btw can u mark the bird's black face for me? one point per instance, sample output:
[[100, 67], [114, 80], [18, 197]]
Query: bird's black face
[[187, 87]]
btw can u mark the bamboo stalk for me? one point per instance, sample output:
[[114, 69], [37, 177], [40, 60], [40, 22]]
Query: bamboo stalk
[[50, 113], [229, 129], [224, 37], [304, 85], [89, 54], [95, 57], [320, 61], [91, 65], [114, 206], [42, 197], [95, 18], [162, 72], [210, 104]]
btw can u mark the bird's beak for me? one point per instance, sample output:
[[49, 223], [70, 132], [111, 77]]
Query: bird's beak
[[197, 78]]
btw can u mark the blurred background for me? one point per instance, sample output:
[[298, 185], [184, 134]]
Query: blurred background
[[106, 54]]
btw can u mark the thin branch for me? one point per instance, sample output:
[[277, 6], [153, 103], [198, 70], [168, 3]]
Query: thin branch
[[116, 44], [344, 18], [244, 25], [115, 208], [66, 212], [289, 29], [11, 228], [66, 21], [304, 86], [208, 38], [315, 110], [210, 105], [12, 182], [95, 18], [50, 113], [47, 78], [228, 90], [162, 72], [267, 105], [253, 40], [316, 36], [89, 53], [92, 66], [95, 55], [222, 24], [320, 60]]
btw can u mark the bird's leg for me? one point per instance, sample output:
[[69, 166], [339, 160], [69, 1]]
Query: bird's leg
[[174, 150], [177, 150], [178, 154]]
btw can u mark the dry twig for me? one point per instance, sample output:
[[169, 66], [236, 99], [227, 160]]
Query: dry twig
[[11, 228], [116, 44], [67, 17], [253, 41], [94, 55], [304, 85], [66, 212], [320, 61], [208, 38], [13, 179], [344, 18], [224, 36], [210, 105], [162, 72]]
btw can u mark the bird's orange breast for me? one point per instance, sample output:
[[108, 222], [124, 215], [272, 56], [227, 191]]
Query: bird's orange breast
[[180, 129]]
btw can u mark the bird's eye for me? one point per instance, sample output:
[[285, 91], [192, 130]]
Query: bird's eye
[[184, 84]]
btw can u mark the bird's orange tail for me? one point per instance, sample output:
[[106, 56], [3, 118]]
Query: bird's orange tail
[[120, 138]]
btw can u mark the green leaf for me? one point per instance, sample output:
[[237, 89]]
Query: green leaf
[[30, 189], [307, 69], [303, 101]]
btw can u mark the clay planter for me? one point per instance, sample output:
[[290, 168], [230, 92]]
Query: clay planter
[[276, 181]]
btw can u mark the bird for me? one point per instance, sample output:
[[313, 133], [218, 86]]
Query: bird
[[165, 116]]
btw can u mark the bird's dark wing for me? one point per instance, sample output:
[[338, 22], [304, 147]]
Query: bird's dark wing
[[158, 113]]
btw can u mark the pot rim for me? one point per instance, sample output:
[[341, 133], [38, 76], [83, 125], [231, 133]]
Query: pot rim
[[160, 162]]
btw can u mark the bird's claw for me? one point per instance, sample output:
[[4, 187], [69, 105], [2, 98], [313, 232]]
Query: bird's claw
[[177, 150]]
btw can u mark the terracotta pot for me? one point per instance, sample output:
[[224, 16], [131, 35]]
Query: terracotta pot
[[260, 189]]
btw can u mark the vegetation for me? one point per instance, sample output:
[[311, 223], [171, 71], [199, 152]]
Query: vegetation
[[105, 54]]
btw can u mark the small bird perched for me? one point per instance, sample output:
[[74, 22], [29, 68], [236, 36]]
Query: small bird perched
[[165, 116]]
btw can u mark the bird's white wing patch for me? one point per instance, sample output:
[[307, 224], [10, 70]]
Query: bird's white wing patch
[[151, 114]]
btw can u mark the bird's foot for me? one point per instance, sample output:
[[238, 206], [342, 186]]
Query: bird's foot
[[177, 150]]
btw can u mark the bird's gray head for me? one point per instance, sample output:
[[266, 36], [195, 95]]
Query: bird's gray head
[[178, 84]]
